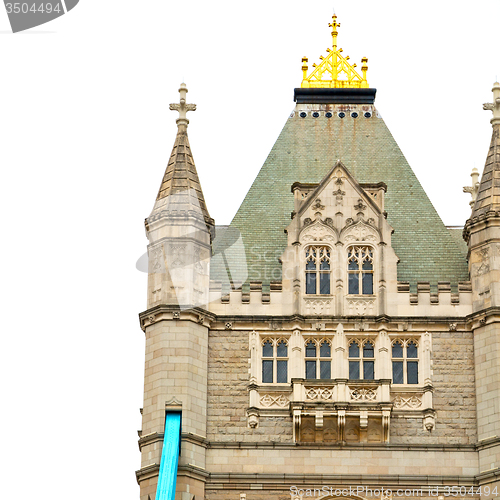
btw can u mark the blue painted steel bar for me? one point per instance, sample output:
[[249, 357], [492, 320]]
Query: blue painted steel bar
[[165, 490]]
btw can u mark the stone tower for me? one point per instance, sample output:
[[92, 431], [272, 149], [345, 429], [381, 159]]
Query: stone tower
[[179, 231], [337, 340], [482, 233]]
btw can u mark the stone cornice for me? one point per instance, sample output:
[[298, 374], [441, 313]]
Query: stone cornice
[[189, 470], [285, 481], [187, 437], [240, 322], [244, 322], [147, 472], [480, 318], [346, 446], [479, 222], [173, 312], [491, 442]]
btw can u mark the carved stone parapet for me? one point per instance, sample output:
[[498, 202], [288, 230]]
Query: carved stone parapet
[[407, 401], [319, 307], [363, 394], [360, 306], [274, 400], [320, 393]]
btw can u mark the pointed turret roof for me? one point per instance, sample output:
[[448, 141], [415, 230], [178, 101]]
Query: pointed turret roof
[[488, 196], [180, 188]]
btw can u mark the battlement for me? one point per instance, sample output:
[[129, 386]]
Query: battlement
[[275, 298]]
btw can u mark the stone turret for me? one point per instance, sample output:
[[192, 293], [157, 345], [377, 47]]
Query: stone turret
[[180, 232], [482, 233]]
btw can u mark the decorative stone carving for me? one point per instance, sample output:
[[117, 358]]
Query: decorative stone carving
[[176, 315], [157, 264], [360, 205], [319, 394], [360, 232], [360, 306], [228, 325], [339, 195], [253, 418], [482, 257], [279, 400], [410, 401], [317, 205], [318, 232], [429, 421], [363, 394], [177, 256], [318, 307]]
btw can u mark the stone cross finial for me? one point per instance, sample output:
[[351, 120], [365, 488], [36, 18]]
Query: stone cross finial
[[495, 105], [473, 190], [182, 107]]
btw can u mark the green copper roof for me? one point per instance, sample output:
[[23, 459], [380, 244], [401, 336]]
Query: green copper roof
[[304, 152]]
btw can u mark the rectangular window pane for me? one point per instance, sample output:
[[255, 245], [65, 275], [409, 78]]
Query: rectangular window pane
[[369, 370], [310, 369], [397, 372], [353, 284], [412, 369], [325, 369], [354, 370], [311, 283], [281, 371], [267, 372], [324, 283], [367, 283]]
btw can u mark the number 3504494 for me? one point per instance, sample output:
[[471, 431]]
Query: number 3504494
[[25, 8]]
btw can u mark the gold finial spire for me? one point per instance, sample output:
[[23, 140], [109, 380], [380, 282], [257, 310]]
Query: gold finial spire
[[334, 71], [182, 107]]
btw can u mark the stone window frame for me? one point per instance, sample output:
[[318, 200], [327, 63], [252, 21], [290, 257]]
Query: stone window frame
[[361, 358], [359, 272], [318, 359], [274, 358], [318, 272], [405, 341]]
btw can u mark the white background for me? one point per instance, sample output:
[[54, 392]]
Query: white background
[[85, 137]]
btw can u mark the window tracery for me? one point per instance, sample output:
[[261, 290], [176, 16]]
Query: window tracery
[[361, 359], [360, 270], [274, 361], [318, 270], [405, 361], [318, 359]]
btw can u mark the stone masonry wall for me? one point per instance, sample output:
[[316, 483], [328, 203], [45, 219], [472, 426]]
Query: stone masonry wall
[[454, 394], [228, 398]]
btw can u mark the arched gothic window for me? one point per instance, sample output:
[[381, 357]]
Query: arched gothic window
[[404, 362], [274, 361], [318, 270], [361, 360], [318, 361], [360, 270]]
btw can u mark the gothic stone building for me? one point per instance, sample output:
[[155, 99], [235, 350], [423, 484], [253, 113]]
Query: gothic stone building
[[337, 333]]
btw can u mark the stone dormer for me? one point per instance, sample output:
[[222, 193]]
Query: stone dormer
[[339, 260]]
